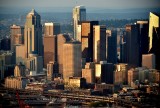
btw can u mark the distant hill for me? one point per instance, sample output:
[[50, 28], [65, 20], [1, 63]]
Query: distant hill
[[69, 9], [65, 13]]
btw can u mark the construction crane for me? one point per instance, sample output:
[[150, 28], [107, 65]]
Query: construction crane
[[21, 102]]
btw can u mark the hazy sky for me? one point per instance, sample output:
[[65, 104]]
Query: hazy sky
[[110, 4]]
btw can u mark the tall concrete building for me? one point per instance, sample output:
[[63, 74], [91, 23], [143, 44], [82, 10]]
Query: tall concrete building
[[154, 37], [50, 50], [111, 46], [144, 39], [79, 14], [51, 29], [148, 60], [61, 39], [33, 34], [72, 60], [99, 43], [87, 39], [17, 36], [50, 42], [132, 45]]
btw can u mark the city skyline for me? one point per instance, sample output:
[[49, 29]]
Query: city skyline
[[72, 60]]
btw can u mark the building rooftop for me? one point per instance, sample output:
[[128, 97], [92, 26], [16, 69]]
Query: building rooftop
[[73, 42], [155, 13], [33, 12], [80, 6], [142, 22], [88, 22], [14, 26], [48, 24], [66, 36]]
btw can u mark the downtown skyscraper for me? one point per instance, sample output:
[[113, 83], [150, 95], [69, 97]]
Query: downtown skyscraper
[[61, 40], [33, 34], [132, 49], [50, 42], [99, 43], [111, 46], [17, 35], [79, 14], [154, 37], [30, 53], [87, 39], [51, 28], [72, 60]]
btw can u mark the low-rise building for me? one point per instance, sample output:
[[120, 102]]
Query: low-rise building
[[106, 88], [16, 82], [77, 82], [132, 76], [154, 76], [35, 86], [120, 73], [141, 75], [44, 86]]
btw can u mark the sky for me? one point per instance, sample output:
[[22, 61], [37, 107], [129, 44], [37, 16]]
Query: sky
[[109, 4]]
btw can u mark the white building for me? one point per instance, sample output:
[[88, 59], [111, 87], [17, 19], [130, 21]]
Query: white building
[[79, 14]]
